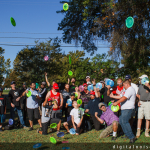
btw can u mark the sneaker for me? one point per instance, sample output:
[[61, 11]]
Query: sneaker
[[147, 132], [114, 138], [30, 129], [25, 127], [132, 140], [1, 129], [138, 133]]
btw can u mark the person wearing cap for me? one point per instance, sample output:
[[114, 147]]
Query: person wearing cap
[[43, 92], [127, 110], [2, 108], [143, 107], [56, 96], [111, 120], [46, 118], [72, 86], [92, 107], [14, 99], [88, 80]]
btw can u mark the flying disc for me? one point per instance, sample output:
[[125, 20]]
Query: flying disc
[[37, 85], [79, 101], [10, 121], [145, 80], [65, 7], [110, 106], [102, 96], [81, 88], [65, 141], [70, 73], [69, 60], [129, 22], [110, 82], [114, 108], [60, 134], [29, 94], [99, 85], [76, 95], [53, 140], [53, 125], [72, 131], [46, 58], [13, 21], [37, 145], [109, 103], [90, 87], [87, 114]]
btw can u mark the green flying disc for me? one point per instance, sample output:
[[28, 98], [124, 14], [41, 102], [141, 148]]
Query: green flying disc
[[70, 73], [65, 7], [29, 94], [114, 108], [53, 140], [13, 21], [109, 103], [87, 114], [53, 125], [79, 101], [129, 22], [69, 60], [76, 95]]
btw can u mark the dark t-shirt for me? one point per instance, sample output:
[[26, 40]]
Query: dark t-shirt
[[72, 88], [23, 98], [93, 106], [106, 98], [66, 96], [85, 97], [13, 95], [2, 104], [43, 96]]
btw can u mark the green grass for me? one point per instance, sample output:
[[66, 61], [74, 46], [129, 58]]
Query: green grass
[[5, 92]]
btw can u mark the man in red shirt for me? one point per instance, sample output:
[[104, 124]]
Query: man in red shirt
[[56, 96]]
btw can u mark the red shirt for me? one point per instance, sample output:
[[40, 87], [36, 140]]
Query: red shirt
[[118, 90], [57, 98]]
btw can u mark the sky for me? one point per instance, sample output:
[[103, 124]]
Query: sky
[[34, 19]]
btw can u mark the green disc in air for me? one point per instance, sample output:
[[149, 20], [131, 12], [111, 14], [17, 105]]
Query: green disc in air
[[79, 101], [65, 7], [13, 21], [70, 73], [129, 22]]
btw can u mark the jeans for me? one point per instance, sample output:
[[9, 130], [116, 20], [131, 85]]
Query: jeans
[[19, 111], [124, 122]]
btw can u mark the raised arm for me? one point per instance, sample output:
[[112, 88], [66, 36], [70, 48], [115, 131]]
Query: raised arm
[[48, 84]]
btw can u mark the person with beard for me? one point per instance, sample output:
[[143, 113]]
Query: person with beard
[[66, 95], [72, 86]]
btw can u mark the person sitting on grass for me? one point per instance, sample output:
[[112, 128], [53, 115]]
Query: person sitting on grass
[[76, 120], [110, 118], [46, 119], [2, 108]]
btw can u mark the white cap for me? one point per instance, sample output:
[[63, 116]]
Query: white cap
[[87, 77], [143, 76]]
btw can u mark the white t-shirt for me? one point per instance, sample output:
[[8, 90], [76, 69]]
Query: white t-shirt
[[74, 113], [135, 87], [130, 94]]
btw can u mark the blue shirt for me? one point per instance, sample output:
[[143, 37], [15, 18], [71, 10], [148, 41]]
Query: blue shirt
[[69, 102], [32, 101]]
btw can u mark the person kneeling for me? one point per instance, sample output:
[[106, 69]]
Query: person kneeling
[[76, 119], [47, 108], [110, 118]]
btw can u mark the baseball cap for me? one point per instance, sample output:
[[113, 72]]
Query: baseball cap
[[100, 105], [127, 77], [50, 99], [85, 84], [55, 86], [44, 83], [87, 77], [92, 93], [1, 90], [24, 83], [72, 94], [143, 76], [13, 82]]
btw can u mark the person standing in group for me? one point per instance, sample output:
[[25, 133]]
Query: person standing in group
[[72, 86], [56, 96], [143, 107], [32, 105], [66, 95], [14, 97], [127, 110], [2, 108]]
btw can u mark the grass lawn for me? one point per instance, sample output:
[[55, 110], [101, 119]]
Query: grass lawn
[[22, 139], [5, 92]]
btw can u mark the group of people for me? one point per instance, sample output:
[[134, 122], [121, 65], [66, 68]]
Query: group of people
[[48, 105]]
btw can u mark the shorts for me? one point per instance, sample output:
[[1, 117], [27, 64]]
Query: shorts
[[144, 110], [35, 112], [77, 129], [46, 124], [2, 118], [108, 130]]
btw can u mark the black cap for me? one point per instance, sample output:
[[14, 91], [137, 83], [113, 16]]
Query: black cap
[[43, 83], [72, 94], [13, 82], [1, 90]]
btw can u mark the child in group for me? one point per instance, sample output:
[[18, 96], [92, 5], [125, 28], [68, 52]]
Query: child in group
[[2, 108], [76, 119], [46, 119]]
